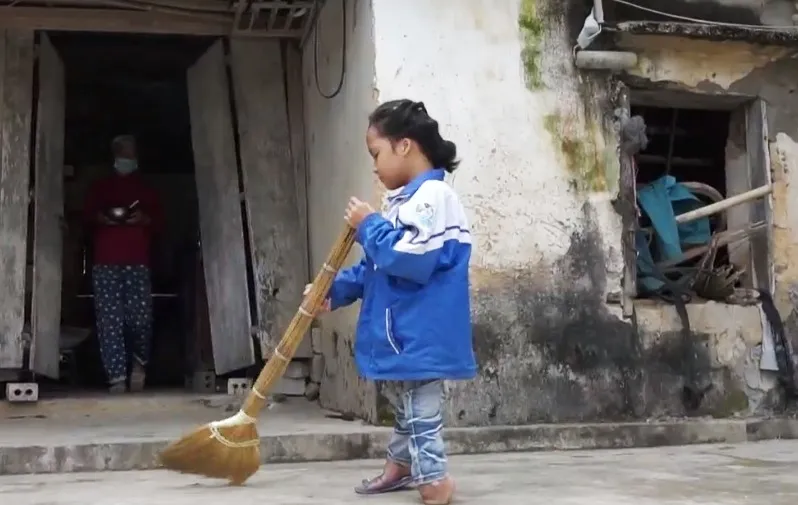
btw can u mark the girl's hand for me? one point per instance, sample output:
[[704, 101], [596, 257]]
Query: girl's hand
[[325, 307], [357, 211]]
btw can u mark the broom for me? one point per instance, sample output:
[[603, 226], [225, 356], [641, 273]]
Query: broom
[[230, 449]]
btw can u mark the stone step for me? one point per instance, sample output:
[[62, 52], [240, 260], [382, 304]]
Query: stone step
[[291, 440], [102, 404]]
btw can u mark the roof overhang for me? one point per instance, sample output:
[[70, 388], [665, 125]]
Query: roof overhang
[[285, 19]]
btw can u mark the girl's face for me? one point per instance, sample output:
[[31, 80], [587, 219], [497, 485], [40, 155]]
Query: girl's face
[[390, 159]]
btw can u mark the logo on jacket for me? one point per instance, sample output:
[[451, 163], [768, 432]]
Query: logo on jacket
[[426, 214]]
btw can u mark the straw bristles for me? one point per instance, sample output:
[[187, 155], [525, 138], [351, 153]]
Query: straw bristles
[[228, 449]]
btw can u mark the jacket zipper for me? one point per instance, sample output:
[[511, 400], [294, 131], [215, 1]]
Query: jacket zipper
[[389, 331]]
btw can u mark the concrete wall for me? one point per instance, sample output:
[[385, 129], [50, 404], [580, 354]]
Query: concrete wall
[[539, 169], [768, 73], [339, 166]]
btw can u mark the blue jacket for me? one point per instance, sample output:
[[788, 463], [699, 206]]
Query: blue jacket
[[415, 319]]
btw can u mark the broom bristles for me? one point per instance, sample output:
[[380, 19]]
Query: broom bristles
[[227, 449], [230, 449]]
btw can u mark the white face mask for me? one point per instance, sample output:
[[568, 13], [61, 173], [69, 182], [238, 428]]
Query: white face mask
[[125, 166]]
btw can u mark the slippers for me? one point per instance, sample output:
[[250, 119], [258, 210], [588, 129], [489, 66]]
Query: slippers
[[377, 485]]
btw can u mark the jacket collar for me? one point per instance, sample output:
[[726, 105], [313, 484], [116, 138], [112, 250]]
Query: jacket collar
[[436, 174]]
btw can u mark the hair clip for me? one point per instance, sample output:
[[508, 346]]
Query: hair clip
[[419, 107]]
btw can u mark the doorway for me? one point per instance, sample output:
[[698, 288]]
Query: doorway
[[166, 92], [130, 85]]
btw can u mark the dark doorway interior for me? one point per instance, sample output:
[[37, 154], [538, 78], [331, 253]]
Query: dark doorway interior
[[132, 84]]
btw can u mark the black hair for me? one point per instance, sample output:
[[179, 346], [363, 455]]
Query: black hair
[[400, 119]]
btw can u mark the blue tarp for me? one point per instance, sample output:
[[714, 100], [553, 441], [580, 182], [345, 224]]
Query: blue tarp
[[662, 200]]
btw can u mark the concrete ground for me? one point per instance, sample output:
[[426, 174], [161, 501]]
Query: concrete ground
[[149, 418], [753, 473]]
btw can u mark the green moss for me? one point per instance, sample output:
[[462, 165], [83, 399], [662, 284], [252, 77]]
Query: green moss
[[531, 27], [582, 158], [385, 415], [734, 402]]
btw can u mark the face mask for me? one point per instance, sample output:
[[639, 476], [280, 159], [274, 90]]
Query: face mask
[[125, 166]]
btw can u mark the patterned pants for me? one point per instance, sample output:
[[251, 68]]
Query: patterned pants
[[417, 440], [123, 307]]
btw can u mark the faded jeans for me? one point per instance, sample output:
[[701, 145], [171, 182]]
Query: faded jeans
[[417, 440]]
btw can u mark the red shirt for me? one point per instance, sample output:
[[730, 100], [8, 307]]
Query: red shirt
[[122, 244]]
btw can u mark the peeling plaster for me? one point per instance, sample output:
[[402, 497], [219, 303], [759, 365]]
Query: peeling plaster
[[784, 163], [696, 62]]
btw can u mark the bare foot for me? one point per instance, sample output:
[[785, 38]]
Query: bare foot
[[439, 492]]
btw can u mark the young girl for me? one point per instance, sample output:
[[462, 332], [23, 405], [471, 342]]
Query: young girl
[[414, 329]]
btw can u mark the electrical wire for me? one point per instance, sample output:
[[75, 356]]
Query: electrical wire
[[703, 21], [343, 55]]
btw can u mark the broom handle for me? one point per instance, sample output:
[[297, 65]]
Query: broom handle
[[285, 350]]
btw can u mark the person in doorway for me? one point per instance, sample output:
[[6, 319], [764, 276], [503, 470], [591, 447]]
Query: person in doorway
[[121, 273], [414, 329]]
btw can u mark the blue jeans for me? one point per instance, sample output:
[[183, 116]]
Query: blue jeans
[[417, 440]]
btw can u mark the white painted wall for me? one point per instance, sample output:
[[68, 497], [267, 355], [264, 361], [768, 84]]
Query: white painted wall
[[463, 60]]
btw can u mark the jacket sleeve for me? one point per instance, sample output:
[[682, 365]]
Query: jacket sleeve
[[347, 286], [411, 249]]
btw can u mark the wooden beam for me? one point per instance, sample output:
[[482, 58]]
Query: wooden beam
[[129, 21], [627, 201], [112, 20]]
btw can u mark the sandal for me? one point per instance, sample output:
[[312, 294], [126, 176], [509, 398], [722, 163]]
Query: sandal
[[378, 485]]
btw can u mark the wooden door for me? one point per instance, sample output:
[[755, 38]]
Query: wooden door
[[271, 187], [220, 219], [16, 88], [48, 198], [759, 174]]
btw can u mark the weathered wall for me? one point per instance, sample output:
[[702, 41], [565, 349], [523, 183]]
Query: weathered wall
[[539, 168], [339, 166], [723, 350], [770, 73], [538, 171]]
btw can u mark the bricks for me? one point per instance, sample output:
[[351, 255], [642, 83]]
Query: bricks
[[290, 387], [203, 382], [238, 387], [22, 392], [297, 369]]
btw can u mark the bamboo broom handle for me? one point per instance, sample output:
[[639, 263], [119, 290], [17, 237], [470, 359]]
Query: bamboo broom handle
[[299, 325]]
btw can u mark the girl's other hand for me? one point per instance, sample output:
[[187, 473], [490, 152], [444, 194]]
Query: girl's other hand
[[357, 211], [325, 307]]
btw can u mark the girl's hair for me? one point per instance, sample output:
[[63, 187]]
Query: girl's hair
[[400, 119]]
